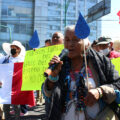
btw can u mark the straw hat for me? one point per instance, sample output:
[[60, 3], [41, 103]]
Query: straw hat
[[7, 47]]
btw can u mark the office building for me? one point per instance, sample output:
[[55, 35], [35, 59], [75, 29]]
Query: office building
[[45, 16]]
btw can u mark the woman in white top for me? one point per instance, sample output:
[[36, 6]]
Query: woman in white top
[[15, 53]]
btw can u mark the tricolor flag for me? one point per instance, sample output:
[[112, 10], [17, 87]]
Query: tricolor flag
[[10, 91]]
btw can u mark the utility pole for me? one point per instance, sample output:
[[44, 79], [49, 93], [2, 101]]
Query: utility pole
[[65, 12], [66, 8], [9, 32]]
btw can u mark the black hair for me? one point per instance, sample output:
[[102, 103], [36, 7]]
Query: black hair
[[48, 40], [94, 43]]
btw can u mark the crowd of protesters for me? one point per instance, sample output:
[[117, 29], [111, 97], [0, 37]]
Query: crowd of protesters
[[63, 90], [84, 86], [100, 90]]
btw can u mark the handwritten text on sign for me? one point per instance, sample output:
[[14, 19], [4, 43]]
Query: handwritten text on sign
[[36, 62]]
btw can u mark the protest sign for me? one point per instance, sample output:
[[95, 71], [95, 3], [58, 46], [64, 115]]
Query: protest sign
[[116, 63], [35, 63]]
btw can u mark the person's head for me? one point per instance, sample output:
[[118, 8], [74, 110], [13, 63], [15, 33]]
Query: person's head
[[105, 45], [47, 42], [73, 43], [95, 46], [57, 38], [116, 45], [14, 49]]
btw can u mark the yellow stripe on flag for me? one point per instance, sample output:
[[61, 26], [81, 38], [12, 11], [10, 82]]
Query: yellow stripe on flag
[[35, 63]]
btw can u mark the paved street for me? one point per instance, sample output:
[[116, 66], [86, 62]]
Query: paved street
[[35, 113]]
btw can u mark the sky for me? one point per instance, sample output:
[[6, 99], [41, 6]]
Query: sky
[[110, 23]]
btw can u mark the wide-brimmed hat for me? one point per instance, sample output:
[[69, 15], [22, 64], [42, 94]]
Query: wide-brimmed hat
[[7, 47]]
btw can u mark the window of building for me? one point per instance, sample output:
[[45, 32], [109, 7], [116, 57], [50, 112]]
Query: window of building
[[70, 14], [16, 28], [93, 1], [3, 29], [56, 28], [50, 27], [4, 11], [74, 7], [29, 29], [23, 28], [53, 4], [11, 12]]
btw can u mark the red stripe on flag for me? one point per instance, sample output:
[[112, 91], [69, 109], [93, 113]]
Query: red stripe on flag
[[18, 96]]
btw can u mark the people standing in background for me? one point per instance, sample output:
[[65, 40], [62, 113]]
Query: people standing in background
[[47, 42], [106, 47], [95, 46], [80, 90], [116, 45], [57, 38], [39, 97]]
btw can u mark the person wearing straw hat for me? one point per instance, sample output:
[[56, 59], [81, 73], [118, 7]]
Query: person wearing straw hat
[[15, 53], [15, 50], [83, 86]]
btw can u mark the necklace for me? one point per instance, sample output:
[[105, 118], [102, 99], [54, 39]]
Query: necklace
[[77, 94], [80, 92]]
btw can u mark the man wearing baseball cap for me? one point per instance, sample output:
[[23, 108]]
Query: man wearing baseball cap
[[105, 46]]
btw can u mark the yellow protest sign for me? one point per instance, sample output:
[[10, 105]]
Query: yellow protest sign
[[116, 63], [35, 63]]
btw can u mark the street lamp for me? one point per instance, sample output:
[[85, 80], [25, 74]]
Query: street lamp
[[9, 32]]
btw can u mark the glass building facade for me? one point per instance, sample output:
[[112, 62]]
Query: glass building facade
[[17, 15], [45, 16], [53, 17]]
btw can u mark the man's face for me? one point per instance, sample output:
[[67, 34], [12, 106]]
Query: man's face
[[103, 46], [57, 38]]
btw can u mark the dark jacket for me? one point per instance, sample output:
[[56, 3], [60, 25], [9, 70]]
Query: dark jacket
[[106, 73]]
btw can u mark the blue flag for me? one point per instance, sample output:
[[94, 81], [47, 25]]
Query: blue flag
[[34, 41], [82, 29]]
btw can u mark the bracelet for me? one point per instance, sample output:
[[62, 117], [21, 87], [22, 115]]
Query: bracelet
[[100, 92], [53, 79]]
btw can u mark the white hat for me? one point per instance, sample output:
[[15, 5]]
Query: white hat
[[7, 47]]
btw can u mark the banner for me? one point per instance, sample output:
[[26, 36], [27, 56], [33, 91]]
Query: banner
[[116, 63], [11, 82], [35, 63]]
